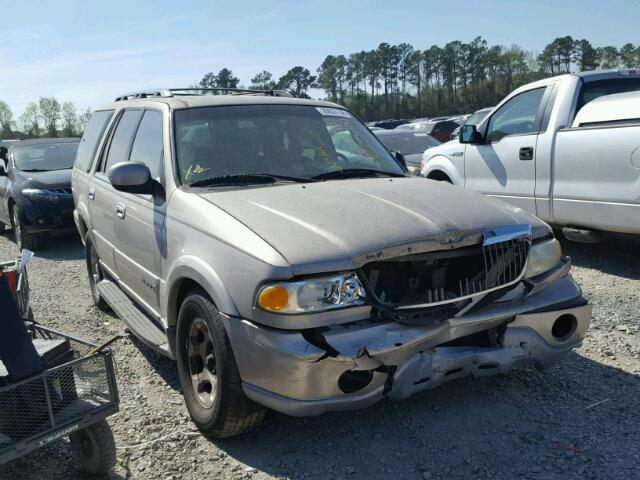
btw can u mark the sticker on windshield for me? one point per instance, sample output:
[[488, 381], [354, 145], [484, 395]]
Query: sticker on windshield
[[333, 112]]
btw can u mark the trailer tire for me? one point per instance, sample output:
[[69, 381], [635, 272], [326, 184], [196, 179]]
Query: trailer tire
[[94, 448]]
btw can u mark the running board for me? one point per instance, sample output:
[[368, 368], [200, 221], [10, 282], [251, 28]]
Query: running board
[[140, 324]]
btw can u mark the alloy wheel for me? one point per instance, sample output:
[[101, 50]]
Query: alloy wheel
[[202, 363], [17, 228]]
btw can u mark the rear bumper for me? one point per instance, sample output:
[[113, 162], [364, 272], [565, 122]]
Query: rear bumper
[[286, 372]]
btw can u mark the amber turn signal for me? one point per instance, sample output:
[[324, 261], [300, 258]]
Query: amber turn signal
[[273, 298]]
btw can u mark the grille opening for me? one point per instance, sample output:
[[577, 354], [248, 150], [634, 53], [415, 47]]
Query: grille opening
[[563, 327], [487, 366], [353, 380], [444, 276]]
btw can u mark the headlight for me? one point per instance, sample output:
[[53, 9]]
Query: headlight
[[315, 294], [38, 195], [543, 256]]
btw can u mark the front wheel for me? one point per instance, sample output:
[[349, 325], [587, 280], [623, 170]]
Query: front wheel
[[24, 239], [94, 448], [209, 376]]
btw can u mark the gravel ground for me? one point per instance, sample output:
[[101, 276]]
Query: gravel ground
[[576, 420]]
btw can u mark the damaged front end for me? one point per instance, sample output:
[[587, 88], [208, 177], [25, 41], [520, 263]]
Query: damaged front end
[[432, 317]]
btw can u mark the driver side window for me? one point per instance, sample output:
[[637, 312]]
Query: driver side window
[[516, 117]]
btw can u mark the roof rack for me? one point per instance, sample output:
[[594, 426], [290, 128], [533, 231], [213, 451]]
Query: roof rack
[[171, 92]]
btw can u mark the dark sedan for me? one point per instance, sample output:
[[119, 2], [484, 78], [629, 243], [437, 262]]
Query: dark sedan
[[440, 129], [35, 188]]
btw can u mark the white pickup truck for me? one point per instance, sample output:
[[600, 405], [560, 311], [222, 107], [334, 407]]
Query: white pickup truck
[[565, 148]]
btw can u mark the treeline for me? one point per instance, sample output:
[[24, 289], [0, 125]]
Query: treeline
[[403, 81], [47, 117]]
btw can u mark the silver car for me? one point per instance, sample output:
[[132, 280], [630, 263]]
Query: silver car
[[230, 234]]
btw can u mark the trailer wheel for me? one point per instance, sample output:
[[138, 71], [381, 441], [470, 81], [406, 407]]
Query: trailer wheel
[[94, 448]]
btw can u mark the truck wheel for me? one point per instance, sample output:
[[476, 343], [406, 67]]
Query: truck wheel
[[24, 239], [209, 376], [95, 273], [94, 448]]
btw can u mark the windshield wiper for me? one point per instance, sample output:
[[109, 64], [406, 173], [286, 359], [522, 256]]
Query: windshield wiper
[[246, 179], [355, 173], [35, 170]]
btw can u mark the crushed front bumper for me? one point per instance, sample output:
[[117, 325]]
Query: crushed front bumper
[[296, 374]]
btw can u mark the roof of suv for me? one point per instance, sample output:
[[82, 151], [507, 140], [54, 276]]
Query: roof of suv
[[193, 101]]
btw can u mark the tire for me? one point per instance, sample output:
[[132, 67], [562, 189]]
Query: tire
[[23, 239], [94, 448], [3, 227], [213, 395], [94, 272]]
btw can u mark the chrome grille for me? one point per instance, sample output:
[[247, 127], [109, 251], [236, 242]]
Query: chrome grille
[[441, 277]]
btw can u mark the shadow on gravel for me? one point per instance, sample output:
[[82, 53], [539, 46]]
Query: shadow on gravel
[[165, 367], [528, 424], [62, 248], [54, 462], [54, 247], [615, 255]]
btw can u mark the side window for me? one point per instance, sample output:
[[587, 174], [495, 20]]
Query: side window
[[148, 147], [517, 116], [92, 135], [122, 137]]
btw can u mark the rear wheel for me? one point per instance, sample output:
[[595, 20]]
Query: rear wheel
[[94, 448], [94, 271], [209, 376], [24, 239]]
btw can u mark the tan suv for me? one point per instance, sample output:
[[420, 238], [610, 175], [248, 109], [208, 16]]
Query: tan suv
[[282, 270]]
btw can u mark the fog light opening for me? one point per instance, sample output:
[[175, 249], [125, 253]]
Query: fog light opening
[[353, 380], [563, 327]]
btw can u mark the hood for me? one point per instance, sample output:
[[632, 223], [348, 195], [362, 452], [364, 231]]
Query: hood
[[52, 179], [452, 146], [341, 224]]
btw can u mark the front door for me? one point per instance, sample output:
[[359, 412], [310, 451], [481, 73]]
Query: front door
[[140, 222], [504, 164]]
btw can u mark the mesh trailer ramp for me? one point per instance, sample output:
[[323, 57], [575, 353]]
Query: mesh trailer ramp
[[72, 399]]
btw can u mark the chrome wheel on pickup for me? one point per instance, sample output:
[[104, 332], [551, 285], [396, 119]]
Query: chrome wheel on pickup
[[209, 376]]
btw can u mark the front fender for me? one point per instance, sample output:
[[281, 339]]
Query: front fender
[[443, 164], [196, 270]]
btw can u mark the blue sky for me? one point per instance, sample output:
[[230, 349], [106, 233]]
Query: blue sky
[[88, 52]]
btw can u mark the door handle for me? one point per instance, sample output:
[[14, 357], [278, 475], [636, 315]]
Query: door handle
[[526, 153], [92, 193], [121, 210]]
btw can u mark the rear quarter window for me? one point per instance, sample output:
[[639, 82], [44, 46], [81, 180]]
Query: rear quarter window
[[91, 138]]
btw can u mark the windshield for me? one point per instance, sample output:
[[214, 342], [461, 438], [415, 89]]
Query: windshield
[[408, 143], [283, 140], [45, 156]]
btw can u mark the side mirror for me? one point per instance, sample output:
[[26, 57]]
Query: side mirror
[[400, 159], [469, 134], [3, 168], [131, 177], [4, 154]]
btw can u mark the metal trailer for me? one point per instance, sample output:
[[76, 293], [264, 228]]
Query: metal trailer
[[72, 399]]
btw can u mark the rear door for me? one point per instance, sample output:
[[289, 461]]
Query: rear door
[[103, 198], [504, 165], [140, 225]]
